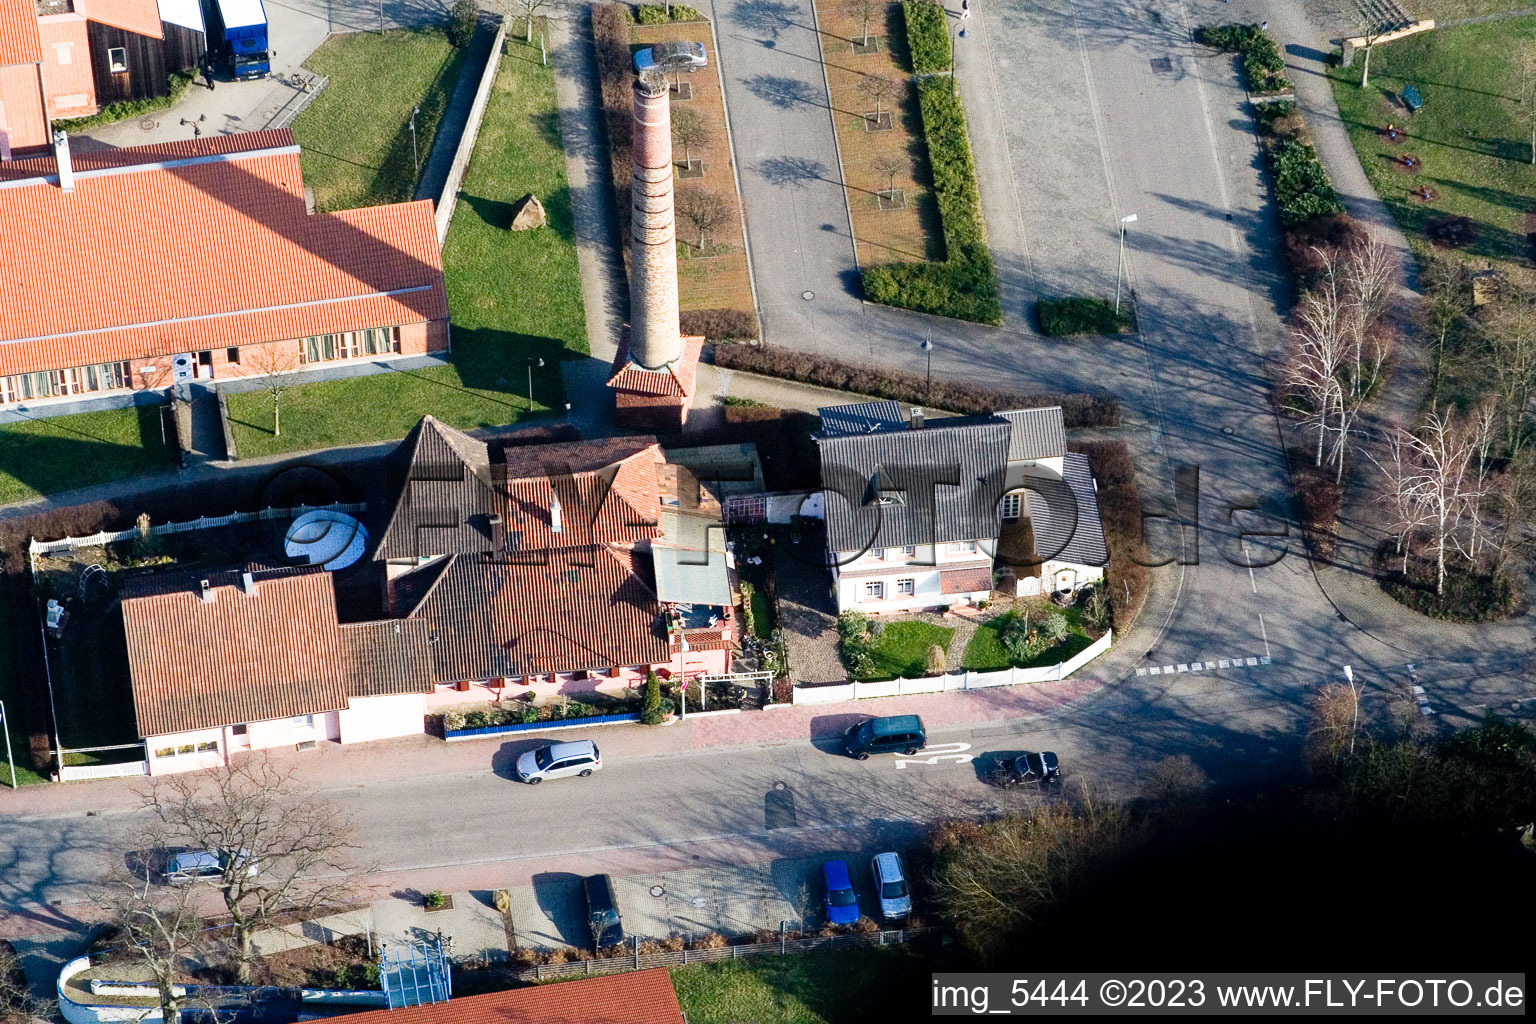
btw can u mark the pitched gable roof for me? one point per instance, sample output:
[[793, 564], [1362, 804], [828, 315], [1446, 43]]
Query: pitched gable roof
[[495, 619], [607, 492], [443, 495], [141, 17], [391, 656], [642, 997], [861, 418], [19, 41], [197, 244], [675, 380], [1035, 434], [1065, 515], [892, 488], [239, 657]]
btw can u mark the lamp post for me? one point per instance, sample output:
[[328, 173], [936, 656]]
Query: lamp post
[[531, 363], [6, 728], [1129, 218], [928, 348], [415, 155], [954, 48]]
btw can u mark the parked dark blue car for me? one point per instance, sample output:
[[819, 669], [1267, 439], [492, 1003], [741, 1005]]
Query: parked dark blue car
[[842, 903]]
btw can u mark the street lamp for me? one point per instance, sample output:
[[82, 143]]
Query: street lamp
[[416, 156], [531, 363], [1129, 218], [928, 348], [954, 48]]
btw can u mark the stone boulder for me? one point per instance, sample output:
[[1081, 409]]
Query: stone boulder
[[528, 213]]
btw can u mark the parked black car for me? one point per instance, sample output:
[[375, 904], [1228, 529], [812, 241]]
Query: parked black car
[[603, 911], [1028, 768]]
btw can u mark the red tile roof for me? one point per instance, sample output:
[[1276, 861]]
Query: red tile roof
[[965, 581], [141, 17], [19, 42], [198, 664], [677, 380], [611, 495], [208, 247], [644, 997]]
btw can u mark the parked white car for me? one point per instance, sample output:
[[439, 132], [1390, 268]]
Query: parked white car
[[891, 886], [206, 865], [559, 761]]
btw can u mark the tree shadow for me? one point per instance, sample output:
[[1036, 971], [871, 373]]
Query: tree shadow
[[794, 171], [764, 16], [782, 91]]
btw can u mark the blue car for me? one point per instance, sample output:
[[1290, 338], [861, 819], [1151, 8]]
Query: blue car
[[842, 904]]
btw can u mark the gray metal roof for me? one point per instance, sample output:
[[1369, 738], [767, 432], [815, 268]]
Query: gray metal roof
[[1037, 434], [1065, 515], [689, 558], [861, 418], [941, 483]]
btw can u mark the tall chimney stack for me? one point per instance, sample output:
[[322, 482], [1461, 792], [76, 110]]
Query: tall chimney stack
[[61, 155], [655, 339]]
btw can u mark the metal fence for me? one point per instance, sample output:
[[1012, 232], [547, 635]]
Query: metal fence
[[644, 961]]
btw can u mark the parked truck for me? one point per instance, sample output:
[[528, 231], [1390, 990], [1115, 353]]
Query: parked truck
[[238, 35]]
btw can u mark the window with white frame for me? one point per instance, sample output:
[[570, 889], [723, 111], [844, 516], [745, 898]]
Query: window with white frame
[[910, 551], [117, 58], [874, 590], [326, 348], [906, 588], [303, 721], [878, 554], [1012, 505], [963, 547]]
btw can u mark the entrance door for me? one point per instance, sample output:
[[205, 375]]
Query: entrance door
[[1066, 579], [205, 365]]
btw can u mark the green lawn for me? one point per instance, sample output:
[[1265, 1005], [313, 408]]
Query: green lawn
[[356, 136], [986, 653], [1448, 10], [851, 986], [1470, 135], [513, 296], [902, 647], [61, 453]]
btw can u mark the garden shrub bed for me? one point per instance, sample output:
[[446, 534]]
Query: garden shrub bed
[[718, 324], [927, 36], [1469, 596], [873, 650], [964, 285], [1078, 409], [1077, 315], [987, 652], [1263, 61], [657, 14], [177, 85], [1127, 575], [1302, 189]]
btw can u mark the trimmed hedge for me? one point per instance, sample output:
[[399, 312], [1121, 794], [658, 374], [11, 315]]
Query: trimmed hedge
[[610, 40], [461, 22], [1302, 188], [656, 14], [1078, 410], [719, 324], [927, 36], [964, 286], [1127, 574], [1061, 317], [1263, 62]]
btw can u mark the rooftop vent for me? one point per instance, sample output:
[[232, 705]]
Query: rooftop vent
[[248, 584], [917, 417], [205, 591], [61, 155]]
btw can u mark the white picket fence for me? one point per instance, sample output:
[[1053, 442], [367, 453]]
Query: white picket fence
[[47, 547], [88, 772], [964, 680]]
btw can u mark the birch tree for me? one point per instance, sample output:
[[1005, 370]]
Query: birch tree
[[1441, 456], [1511, 331], [1318, 349]]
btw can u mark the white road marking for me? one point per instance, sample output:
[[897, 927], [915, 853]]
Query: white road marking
[[945, 752], [1223, 663], [1167, 670], [1253, 661], [1265, 634], [1183, 668], [1249, 560]]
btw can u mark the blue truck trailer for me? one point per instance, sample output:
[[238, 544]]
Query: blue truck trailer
[[238, 28]]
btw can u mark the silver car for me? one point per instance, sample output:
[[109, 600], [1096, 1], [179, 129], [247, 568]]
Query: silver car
[[206, 865], [559, 761], [679, 56], [891, 884]]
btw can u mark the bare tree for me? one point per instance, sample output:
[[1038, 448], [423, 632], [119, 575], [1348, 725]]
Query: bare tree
[[1511, 330], [253, 814], [705, 210], [877, 89], [1318, 349], [1336, 722], [890, 166], [865, 11], [527, 10], [162, 931], [689, 129], [1370, 31], [277, 371], [1409, 507], [1441, 459], [1440, 314], [17, 1004]]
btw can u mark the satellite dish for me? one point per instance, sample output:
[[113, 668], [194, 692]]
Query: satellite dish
[[334, 540]]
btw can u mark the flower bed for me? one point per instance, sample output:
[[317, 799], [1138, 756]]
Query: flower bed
[[553, 723], [1263, 62]]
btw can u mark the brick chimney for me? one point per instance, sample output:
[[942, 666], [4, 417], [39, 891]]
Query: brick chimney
[[655, 340]]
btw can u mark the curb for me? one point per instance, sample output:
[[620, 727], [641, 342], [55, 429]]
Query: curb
[[842, 175], [741, 199]]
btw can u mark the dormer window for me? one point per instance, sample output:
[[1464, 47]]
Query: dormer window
[[883, 490]]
